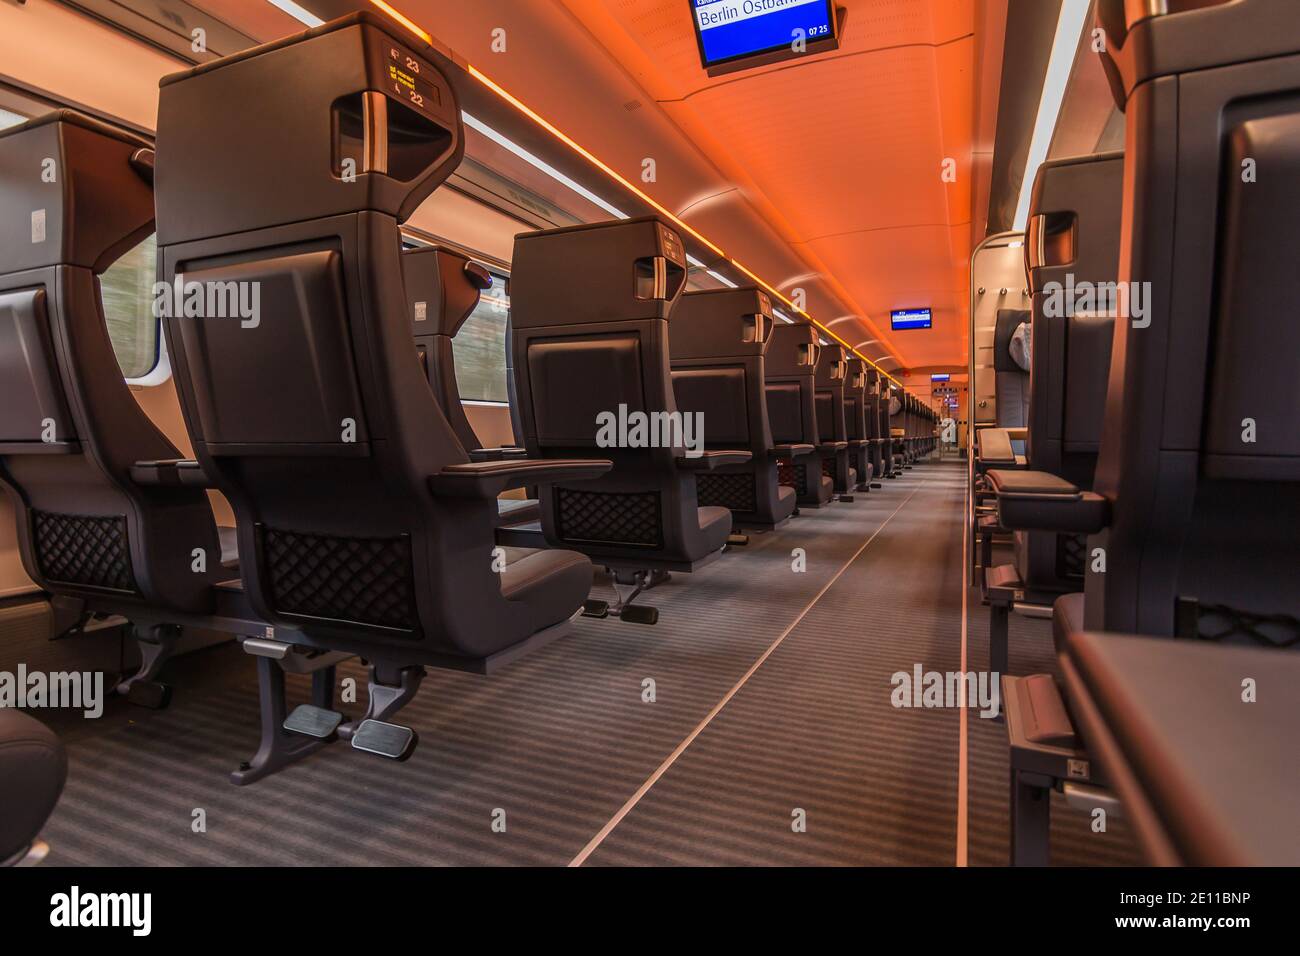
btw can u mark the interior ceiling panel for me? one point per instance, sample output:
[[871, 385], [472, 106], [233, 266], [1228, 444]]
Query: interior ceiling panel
[[823, 173], [843, 151]]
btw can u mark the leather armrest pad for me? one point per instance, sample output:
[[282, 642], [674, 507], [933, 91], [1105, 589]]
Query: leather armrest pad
[[1040, 501], [498, 454], [792, 451], [170, 472], [711, 460], [1029, 483], [487, 479], [832, 445], [995, 448]]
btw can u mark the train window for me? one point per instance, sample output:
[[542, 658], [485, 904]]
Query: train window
[[8, 119], [480, 347], [127, 290]]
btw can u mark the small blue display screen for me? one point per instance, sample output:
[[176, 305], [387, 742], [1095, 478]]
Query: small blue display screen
[[909, 319], [732, 29], [940, 377]]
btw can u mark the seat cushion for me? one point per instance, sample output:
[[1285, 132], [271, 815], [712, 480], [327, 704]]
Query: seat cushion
[[33, 767], [1067, 617], [553, 582], [715, 525], [229, 546]]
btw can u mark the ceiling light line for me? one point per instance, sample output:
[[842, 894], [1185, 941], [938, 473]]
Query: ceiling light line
[[298, 12], [610, 172], [1069, 27], [504, 141]]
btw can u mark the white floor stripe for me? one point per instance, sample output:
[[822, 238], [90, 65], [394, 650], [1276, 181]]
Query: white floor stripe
[[963, 796], [671, 759]]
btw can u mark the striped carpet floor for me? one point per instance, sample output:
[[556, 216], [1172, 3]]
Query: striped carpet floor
[[557, 744]]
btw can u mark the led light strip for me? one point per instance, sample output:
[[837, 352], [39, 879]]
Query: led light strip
[[1068, 28], [297, 12], [500, 139], [611, 173]]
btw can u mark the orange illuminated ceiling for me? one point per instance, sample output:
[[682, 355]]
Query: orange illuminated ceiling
[[825, 174], [842, 152]]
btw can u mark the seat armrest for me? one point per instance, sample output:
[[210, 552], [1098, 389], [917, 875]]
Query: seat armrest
[[792, 451], [713, 460], [1040, 501], [995, 449], [170, 472], [487, 479], [508, 453], [832, 445]]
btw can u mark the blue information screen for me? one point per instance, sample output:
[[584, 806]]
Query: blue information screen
[[910, 319], [940, 377], [731, 29]]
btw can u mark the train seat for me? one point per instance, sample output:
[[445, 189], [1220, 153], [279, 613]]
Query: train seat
[[33, 768], [592, 370], [832, 430], [1197, 487], [857, 431], [443, 287], [1072, 254], [1011, 379], [364, 526], [718, 342], [790, 383], [882, 452], [103, 528]]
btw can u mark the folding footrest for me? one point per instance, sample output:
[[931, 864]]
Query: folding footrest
[[595, 609], [384, 739], [313, 721], [639, 614]]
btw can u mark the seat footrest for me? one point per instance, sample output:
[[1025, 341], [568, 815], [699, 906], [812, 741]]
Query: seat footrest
[[384, 739], [313, 721], [1002, 584]]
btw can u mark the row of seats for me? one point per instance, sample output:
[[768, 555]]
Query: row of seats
[[1073, 243], [369, 517], [1157, 512]]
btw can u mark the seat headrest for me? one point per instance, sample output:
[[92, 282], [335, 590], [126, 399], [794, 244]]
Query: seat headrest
[[1075, 214], [832, 365], [623, 270], [442, 287], [71, 193], [857, 377], [721, 322], [353, 115], [792, 349]]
